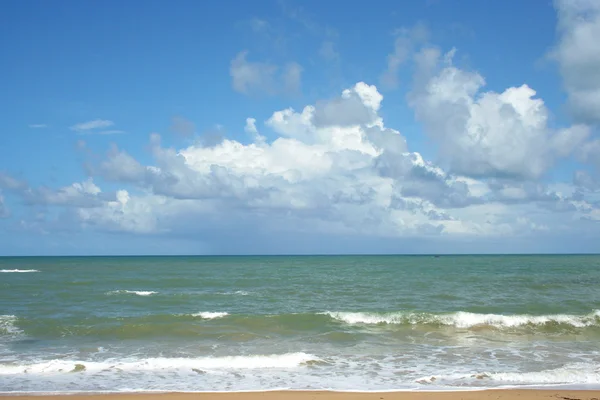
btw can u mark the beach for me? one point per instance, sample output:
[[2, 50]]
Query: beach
[[337, 324], [324, 395]]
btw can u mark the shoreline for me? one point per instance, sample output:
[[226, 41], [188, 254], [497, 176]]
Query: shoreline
[[468, 394]]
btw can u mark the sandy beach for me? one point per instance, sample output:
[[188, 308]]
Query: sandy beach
[[324, 395]]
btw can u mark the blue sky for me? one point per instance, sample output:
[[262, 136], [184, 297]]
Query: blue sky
[[299, 127]]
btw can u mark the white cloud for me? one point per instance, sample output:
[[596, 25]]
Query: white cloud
[[487, 134], [78, 194], [250, 127], [334, 169], [578, 56], [38, 126], [121, 167], [358, 106], [123, 214], [252, 77], [84, 194], [89, 126], [252, 130], [324, 173], [331, 173]]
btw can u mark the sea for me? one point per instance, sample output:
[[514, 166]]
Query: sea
[[342, 323]]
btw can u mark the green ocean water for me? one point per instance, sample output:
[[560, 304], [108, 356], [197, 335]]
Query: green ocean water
[[96, 324]]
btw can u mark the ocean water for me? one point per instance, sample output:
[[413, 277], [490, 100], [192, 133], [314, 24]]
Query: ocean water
[[365, 323]]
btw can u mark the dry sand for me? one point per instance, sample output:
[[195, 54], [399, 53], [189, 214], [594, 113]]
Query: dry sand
[[301, 395]]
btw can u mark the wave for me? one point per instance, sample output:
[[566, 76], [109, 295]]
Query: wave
[[235, 293], [18, 270], [213, 324], [200, 364], [136, 292], [7, 326], [210, 314], [463, 319]]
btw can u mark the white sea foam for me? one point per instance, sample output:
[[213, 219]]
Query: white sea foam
[[18, 270], [136, 292], [277, 361], [296, 371], [210, 314], [367, 318], [575, 373], [237, 292], [464, 319]]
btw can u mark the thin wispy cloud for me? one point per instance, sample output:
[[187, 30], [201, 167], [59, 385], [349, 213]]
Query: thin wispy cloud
[[96, 127], [86, 127], [37, 126]]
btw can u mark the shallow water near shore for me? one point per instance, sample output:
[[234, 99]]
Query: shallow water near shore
[[363, 323]]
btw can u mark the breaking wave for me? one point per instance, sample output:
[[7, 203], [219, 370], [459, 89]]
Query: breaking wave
[[7, 326], [201, 364], [136, 292], [18, 270], [210, 315], [463, 319]]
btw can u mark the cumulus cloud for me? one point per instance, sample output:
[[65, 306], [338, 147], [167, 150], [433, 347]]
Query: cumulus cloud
[[84, 194], [578, 56], [487, 134], [340, 173], [121, 215], [358, 106], [78, 194], [253, 77], [252, 130], [333, 168], [120, 167]]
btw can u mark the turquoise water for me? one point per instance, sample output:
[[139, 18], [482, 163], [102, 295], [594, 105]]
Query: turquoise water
[[98, 324]]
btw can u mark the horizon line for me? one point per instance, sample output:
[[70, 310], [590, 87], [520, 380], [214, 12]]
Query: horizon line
[[305, 255]]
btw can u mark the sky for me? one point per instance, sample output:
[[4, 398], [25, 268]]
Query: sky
[[299, 127]]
